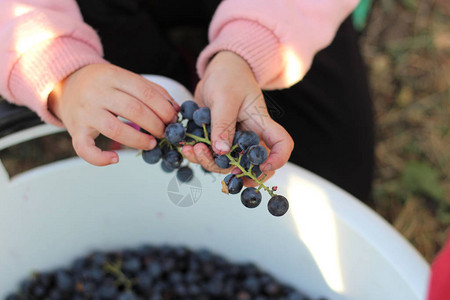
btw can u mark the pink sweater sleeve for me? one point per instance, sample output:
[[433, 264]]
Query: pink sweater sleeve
[[277, 38], [42, 41]]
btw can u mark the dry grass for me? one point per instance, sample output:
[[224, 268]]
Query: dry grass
[[406, 46]]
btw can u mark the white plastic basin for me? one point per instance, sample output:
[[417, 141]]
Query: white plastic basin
[[328, 244]]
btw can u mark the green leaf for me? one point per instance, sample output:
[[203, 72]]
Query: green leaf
[[422, 178]]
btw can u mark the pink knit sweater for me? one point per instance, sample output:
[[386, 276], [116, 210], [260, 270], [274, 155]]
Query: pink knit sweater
[[43, 41]]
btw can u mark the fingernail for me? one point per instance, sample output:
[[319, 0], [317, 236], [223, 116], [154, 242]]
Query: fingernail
[[115, 160], [267, 168], [222, 146], [152, 144]]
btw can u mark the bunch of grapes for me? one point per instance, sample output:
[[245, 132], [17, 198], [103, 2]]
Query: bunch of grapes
[[246, 154]]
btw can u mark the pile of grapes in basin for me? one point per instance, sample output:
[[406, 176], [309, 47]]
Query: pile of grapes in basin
[[155, 273]]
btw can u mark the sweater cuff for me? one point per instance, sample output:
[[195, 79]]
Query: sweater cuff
[[253, 42], [39, 69]]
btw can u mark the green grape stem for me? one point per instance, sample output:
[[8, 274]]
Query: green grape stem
[[248, 173], [115, 270], [205, 132], [199, 139], [233, 161]]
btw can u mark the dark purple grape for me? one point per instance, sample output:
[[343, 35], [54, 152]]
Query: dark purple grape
[[227, 178], [252, 285], [144, 281], [152, 156], [163, 272], [251, 197], [237, 134], [63, 280], [173, 159], [257, 154], [127, 295], [175, 133], [256, 171], [278, 205], [245, 163], [197, 132], [222, 161], [165, 147], [98, 259], [187, 109], [247, 139], [185, 174], [166, 168], [107, 290], [191, 126], [131, 265], [235, 185], [202, 116]]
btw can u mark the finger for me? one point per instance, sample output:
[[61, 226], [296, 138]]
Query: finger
[[188, 152], [205, 158], [111, 127], [165, 93], [85, 148], [281, 145], [223, 125], [132, 109], [149, 93]]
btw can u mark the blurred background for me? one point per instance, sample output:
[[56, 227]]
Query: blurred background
[[406, 46]]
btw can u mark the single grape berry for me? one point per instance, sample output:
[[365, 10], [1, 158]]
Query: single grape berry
[[127, 295], [257, 154], [278, 205], [197, 132], [245, 163], [173, 159], [175, 133], [191, 126], [185, 174], [202, 116], [152, 156], [165, 148], [237, 134], [235, 184], [222, 161], [251, 197], [187, 109], [256, 171], [247, 139]]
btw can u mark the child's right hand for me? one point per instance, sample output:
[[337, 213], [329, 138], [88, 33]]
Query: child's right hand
[[89, 100]]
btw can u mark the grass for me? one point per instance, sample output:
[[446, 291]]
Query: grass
[[406, 46]]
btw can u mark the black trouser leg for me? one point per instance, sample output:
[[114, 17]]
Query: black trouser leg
[[329, 115]]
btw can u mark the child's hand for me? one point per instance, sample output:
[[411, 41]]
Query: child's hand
[[89, 100], [231, 92]]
